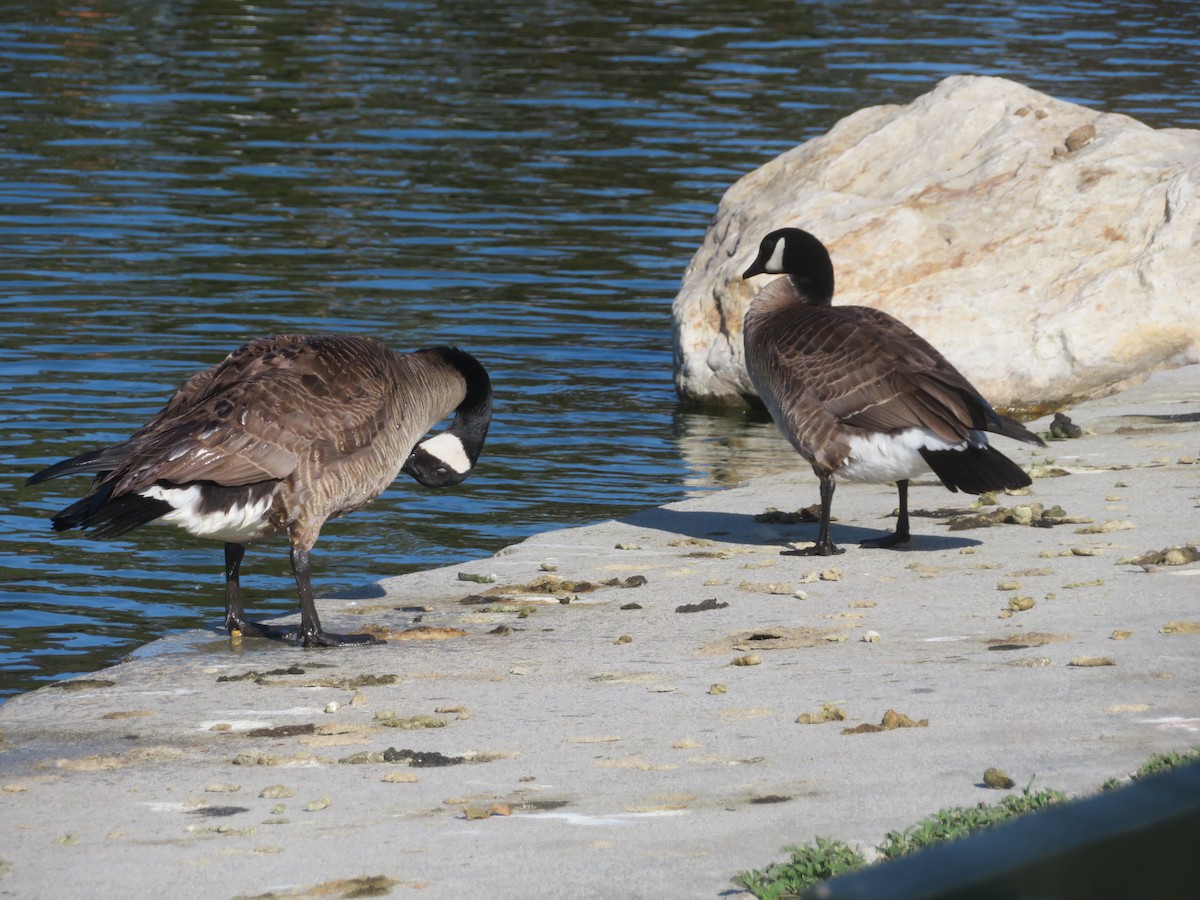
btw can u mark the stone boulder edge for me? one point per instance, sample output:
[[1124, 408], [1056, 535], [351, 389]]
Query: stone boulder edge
[[1047, 249]]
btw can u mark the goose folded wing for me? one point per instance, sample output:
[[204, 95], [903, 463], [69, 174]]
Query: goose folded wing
[[259, 427], [899, 381], [243, 365], [224, 457], [250, 432], [261, 411], [898, 401]]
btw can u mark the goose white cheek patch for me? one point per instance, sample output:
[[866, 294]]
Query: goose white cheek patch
[[450, 450], [775, 263]]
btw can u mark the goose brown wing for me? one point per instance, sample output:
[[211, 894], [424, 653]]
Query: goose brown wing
[[225, 439], [239, 364], [874, 372], [257, 415]]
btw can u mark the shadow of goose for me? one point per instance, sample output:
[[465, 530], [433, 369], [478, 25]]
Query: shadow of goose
[[741, 528]]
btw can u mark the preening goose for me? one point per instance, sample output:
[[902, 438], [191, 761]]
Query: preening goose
[[284, 434], [860, 395]]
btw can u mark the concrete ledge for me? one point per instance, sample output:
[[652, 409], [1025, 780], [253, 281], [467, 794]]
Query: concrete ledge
[[587, 750]]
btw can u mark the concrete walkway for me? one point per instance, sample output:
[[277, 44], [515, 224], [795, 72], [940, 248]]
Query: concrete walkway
[[600, 740]]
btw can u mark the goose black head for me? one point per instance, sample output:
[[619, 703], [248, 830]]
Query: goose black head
[[801, 257], [439, 461], [447, 458]]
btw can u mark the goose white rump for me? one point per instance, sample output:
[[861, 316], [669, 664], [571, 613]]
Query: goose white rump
[[238, 524], [879, 457]]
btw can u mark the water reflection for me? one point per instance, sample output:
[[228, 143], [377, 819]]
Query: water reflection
[[724, 451], [525, 179]]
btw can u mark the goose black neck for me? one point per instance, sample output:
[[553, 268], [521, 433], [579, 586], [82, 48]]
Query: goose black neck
[[474, 414], [815, 285]]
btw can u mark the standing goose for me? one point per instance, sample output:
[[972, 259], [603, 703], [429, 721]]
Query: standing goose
[[288, 432], [859, 394]]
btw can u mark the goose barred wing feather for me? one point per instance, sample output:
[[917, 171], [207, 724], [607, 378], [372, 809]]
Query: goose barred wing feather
[[898, 379], [218, 440], [921, 387], [249, 418], [218, 377]]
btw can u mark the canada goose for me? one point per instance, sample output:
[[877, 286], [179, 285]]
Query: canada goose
[[288, 432], [859, 394]]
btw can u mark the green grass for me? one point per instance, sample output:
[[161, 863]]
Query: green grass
[[960, 821], [1159, 762], [808, 865], [825, 858]]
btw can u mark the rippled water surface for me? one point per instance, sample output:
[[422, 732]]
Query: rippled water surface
[[526, 180]]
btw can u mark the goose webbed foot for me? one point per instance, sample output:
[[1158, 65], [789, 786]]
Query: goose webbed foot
[[820, 548], [321, 638], [824, 545], [246, 628], [901, 535], [311, 633], [895, 539]]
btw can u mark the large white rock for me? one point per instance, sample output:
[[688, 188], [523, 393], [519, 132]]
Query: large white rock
[[1048, 250]]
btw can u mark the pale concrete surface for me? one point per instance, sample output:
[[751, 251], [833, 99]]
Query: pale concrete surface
[[625, 775]]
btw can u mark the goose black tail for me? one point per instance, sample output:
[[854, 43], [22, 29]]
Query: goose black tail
[[976, 469], [91, 463], [106, 517], [1010, 427]]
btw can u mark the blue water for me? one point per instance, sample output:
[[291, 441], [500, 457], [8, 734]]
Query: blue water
[[527, 180]]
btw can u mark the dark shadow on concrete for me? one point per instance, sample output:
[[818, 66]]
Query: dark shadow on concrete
[[363, 592], [740, 528], [1171, 418]]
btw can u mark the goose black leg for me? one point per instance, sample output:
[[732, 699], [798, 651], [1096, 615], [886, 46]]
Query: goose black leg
[[824, 545], [235, 612], [311, 632], [901, 534]]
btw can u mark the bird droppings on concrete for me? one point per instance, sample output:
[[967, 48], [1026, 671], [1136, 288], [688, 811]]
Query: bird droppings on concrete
[[1168, 556], [998, 779], [703, 606], [415, 633], [750, 659], [829, 712], [1180, 627], [891, 721], [389, 719]]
